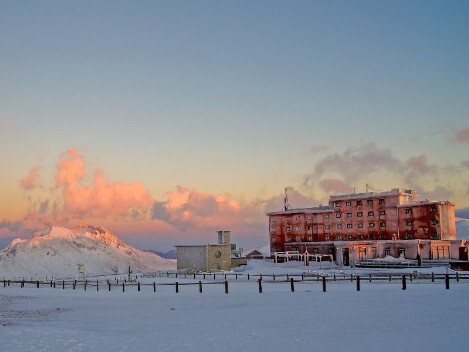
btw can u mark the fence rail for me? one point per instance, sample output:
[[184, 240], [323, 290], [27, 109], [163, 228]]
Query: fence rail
[[260, 279]]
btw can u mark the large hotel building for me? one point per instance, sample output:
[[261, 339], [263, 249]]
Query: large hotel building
[[370, 225]]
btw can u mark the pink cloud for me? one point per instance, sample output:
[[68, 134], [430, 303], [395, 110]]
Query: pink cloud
[[102, 198], [462, 136], [30, 180], [193, 209]]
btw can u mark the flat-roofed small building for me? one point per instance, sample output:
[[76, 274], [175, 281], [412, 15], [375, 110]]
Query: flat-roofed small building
[[208, 257]]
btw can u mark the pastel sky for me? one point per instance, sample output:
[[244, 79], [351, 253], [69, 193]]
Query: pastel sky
[[168, 120]]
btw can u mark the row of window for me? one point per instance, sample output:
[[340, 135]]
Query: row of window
[[328, 237], [358, 203]]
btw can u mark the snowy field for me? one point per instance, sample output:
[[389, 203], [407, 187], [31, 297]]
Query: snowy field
[[381, 317]]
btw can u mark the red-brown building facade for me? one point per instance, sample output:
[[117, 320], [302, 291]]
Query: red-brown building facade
[[371, 225]]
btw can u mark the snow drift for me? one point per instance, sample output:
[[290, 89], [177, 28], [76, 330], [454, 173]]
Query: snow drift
[[58, 251]]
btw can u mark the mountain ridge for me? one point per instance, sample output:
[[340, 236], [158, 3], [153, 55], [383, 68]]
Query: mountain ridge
[[57, 251]]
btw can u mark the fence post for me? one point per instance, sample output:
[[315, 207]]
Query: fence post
[[292, 285], [334, 277], [63, 284], [177, 287], [37, 283], [138, 286], [248, 276], [358, 283], [433, 277], [404, 285], [4, 283], [200, 286], [22, 283], [288, 277], [260, 285], [86, 283], [123, 286], [370, 277], [236, 276], [323, 284], [204, 276], [97, 285], [351, 277], [390, 278], [226, 286], [303, 276], [50, 283], [109, 283], [447, 281], [273, 277], [457, 276], [154, 286]]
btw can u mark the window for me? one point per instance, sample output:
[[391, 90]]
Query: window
[[288, 239], [327, 237], [309, 217], [433, 209], [372, 237], [349, 226], [435, 235], [339, 237], [310, 228], [387, 252], [339, 226], [382, 224], [287, 219], [383, 236], [382, 212], [350, 237], [371, 225], [272, 239], [360, 225], [287, 228], [433, 222], [408, 211], [370, 202], [359, 214], [297, 228], [401, 252], [349, 215], [338, 215], [359, 202], [370, 213], [409, 223], [272, 229], [272, 220], [327, 227], [348, 204], [326, 216], [409, 236], [298, 217], [381, 201], [337, 204], [360, 237], [310, 238], [297, 238], [217, 254]]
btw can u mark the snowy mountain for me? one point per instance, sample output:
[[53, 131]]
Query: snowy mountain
[[462, 228], [58, 251]]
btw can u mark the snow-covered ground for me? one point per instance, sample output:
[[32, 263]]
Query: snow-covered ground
[[381, 317]]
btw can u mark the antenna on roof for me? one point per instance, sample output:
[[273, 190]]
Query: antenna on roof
[[286, 205]]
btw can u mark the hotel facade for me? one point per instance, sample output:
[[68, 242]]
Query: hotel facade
[[363, 226]]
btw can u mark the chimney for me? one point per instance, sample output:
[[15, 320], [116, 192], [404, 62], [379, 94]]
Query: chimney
[[224, 237]]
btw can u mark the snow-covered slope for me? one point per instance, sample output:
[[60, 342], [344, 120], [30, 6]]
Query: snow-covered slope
[[58, 251], [462, 228]]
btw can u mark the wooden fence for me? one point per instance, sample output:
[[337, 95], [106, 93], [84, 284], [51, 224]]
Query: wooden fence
[[260, 279]]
